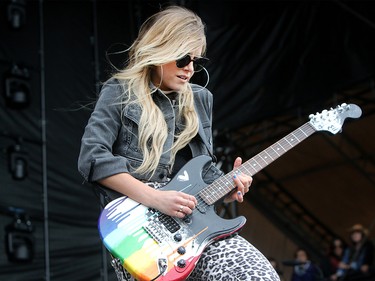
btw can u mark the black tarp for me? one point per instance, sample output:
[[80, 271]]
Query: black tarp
[[265, 58]]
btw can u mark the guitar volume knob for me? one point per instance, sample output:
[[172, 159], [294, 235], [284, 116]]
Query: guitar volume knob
[[177, 237], [181, 250], [181, 263]]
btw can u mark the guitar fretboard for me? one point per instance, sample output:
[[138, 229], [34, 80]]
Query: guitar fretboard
[[223, 185]]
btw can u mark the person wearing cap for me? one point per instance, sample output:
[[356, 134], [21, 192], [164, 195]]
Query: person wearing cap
[[358, 257]]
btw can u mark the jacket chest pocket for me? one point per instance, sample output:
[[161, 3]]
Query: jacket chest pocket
[[131, 119]]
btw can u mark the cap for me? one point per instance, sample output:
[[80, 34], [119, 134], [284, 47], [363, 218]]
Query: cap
[[360, 228]]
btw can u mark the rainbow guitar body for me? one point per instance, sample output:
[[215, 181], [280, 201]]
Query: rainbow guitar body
[[154, 246], [149, 243]]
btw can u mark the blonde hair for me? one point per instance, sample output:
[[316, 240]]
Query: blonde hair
[[164, 37]]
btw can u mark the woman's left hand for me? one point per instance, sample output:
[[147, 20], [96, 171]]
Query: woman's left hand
[[242, 182]]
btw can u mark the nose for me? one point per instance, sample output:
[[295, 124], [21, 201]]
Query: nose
[[190, 66]]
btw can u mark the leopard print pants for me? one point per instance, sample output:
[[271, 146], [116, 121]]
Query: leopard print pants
[[233, 259], [229, 259]]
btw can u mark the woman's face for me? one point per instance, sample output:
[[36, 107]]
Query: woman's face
[[168, 77], [356, 236], [338, 247]]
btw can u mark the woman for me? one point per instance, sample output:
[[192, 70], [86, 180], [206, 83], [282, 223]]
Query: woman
[[358, 257], [333, 258], [149, 121]]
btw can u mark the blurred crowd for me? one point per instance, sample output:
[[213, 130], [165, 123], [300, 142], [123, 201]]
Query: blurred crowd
[[343, 261]]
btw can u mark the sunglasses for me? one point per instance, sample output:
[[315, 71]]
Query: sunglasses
[[198, 63]]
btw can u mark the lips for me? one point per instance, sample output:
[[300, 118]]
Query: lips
[[183, 77]]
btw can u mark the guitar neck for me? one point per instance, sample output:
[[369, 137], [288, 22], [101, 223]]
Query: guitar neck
[[223, 185]]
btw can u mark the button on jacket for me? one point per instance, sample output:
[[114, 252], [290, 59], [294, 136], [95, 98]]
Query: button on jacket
[[110, 141]]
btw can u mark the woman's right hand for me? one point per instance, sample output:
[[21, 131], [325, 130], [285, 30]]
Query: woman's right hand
[[174, 203], [170, 202]]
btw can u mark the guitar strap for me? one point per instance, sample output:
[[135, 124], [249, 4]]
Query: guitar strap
[[214, 159]]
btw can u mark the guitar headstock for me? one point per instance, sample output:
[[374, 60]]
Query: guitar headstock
[[333, 119]]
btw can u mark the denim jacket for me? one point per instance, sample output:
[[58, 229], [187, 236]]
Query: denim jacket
[[110, 141]]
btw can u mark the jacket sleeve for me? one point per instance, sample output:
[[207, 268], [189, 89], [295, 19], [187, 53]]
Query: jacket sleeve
[[96, 159], [204, 103]]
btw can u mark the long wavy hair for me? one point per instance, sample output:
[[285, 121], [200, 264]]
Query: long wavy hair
[[166, 36]]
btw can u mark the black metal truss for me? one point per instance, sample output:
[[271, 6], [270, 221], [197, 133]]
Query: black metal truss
[[269, 196]]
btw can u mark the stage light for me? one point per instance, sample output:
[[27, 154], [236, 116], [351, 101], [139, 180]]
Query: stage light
[[19, 239], [16, 13], [17, 161], [17, 88]]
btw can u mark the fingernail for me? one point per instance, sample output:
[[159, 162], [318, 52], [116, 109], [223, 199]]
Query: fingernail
[[234, 176], [239, 193]]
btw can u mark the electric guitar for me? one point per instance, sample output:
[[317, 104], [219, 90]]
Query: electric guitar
[[154, 246]]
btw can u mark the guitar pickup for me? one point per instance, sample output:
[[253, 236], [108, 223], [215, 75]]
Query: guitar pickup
[[169, 223]]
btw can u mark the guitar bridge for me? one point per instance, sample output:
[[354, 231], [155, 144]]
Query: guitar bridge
[[154, 233]]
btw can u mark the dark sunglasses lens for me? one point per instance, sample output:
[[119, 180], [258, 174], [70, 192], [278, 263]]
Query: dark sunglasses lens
[[182, 62], [198, 63]]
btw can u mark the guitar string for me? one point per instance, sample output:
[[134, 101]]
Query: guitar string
[[285, 143]]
